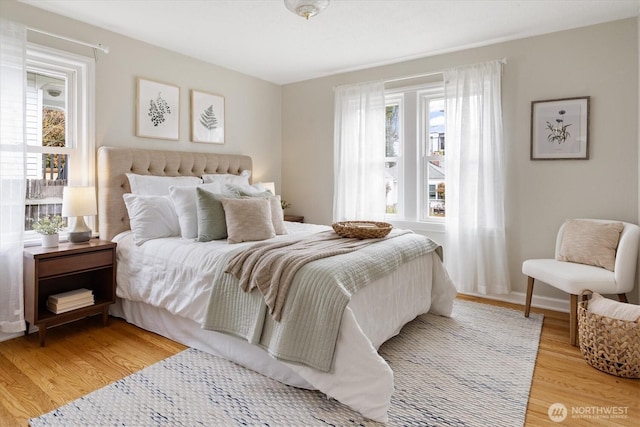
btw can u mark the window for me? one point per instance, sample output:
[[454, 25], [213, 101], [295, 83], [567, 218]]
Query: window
[[433, 172], [59, 129], [46, 135], [415, 153], [393, 154]]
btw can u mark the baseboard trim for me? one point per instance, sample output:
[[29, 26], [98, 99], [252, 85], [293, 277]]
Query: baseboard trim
[[7, 337], [555, 304]]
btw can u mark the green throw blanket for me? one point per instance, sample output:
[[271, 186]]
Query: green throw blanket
[[312, 311], [271, 266]]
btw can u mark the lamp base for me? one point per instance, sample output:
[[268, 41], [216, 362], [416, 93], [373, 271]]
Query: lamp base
[[79, 236]]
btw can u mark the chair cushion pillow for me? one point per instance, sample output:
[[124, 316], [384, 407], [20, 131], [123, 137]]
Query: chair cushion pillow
[[590, 242]]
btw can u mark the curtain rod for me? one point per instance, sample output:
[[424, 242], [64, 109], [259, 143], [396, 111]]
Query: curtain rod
[[414, 76], [433, 73], [98, 46]]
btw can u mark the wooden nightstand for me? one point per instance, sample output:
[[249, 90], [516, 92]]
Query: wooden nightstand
[[294, 218], [49, 271]]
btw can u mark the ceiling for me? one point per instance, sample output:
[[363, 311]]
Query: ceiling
[[262, 38]]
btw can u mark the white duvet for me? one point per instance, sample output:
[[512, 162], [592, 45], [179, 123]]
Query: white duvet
[[164, 287]]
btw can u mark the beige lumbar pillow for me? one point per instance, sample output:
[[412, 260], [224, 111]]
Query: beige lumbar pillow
[[248, 219], [613, 309], [590, 242]]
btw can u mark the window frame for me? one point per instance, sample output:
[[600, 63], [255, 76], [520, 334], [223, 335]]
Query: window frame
[[79, 72]]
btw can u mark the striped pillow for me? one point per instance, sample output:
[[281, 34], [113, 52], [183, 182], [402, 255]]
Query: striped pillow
[[590, 242]]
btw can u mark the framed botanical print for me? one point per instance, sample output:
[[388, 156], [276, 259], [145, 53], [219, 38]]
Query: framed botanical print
[[157, 110], [207, 117], [560, 129]]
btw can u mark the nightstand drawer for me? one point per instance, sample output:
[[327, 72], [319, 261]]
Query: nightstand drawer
[[72, 263]]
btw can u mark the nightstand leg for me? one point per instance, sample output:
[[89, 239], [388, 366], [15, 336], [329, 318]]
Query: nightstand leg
[[105, 316], [26, 331], [42, 333]]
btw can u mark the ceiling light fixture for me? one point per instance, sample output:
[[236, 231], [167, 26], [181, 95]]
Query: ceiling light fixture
[[306, 8]]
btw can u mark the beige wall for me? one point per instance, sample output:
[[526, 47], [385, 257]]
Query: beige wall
[[599, 61], [253, 106]]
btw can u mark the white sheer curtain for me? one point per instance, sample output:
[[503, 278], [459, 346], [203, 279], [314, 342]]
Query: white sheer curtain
[[12, 174], [359, 152], [476, 256]]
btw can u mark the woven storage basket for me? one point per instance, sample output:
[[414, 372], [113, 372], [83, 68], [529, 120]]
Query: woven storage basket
[[609, 345], [362, 229]]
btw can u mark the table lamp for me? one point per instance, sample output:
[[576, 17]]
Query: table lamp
[[270, 186], [78, 202]]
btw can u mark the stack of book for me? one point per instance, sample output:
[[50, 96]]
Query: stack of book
[[67, 301]]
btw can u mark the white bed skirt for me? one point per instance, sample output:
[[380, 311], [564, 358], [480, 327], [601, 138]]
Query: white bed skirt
[[368, 388]]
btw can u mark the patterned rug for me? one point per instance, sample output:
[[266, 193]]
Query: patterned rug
[[473, 369]]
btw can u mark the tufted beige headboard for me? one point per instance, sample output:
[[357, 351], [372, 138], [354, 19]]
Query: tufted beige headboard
[[115, 162]]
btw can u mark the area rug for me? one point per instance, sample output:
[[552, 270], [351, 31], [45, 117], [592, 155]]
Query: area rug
[[473, 369]]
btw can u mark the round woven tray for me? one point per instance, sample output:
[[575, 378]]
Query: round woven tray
[[362, 229], [609, 345]]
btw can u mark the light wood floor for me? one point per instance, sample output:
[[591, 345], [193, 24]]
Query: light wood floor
[[83, 356]]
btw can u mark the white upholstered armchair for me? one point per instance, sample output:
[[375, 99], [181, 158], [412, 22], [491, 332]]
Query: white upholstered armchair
[[595, 254]]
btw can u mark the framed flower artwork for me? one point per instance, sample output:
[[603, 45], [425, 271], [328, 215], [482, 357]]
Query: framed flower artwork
[[157, 110], [560, 129], [207, 117]]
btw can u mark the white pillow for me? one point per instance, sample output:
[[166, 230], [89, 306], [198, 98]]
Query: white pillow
[[151, 185], [151, 217], [613, 309], [227, 178], [184, 202]]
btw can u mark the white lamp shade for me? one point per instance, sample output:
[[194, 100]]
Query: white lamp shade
[[79, 201], [271, 186]]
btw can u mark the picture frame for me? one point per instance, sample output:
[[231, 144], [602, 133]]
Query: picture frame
[[207, 117], [560, 129], [157, 110]]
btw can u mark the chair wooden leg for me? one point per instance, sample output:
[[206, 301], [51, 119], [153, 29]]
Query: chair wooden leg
[[622, 297], [527, 307], [573, 320]]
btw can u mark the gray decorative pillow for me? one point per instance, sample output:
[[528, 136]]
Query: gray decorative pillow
[[590, 242], [212, 223], [248, 219]]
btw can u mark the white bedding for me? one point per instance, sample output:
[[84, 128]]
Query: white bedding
[[163, 286]]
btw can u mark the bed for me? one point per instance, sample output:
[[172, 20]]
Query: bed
[[165, 284]]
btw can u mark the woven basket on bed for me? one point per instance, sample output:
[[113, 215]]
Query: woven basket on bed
[[362, 229], [609, 345]]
